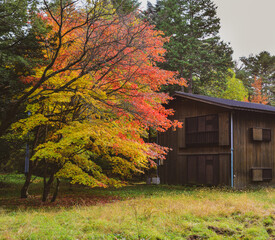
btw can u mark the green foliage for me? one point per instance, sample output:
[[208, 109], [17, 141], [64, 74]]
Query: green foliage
[[195, 49], [20, 51], [261, 66], [21, 32], [125, 6], [235, 89], [13, 152]]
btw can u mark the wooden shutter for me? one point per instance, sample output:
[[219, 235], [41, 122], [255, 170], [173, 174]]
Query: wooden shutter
[[212, 127], [267, 135], [261, 174], [224, 129], [267, 174], [201, 135], [211, 123], [260, 134], [203, 130], [201, 124], [257, 175], [257, 134], [191, 125]]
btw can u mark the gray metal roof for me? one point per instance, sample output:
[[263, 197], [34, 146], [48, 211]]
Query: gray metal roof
[[231, 104]]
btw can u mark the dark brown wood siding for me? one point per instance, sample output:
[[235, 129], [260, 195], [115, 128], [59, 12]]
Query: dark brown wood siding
[[188, 164], [249, 153], [204, 164]]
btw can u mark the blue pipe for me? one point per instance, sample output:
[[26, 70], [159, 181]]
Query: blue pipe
[[232, 151]]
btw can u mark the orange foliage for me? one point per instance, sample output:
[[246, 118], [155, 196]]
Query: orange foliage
[[258, 96], [113, 61]]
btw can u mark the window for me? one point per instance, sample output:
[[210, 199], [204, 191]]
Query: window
[[261, 174], [261, 134], [203, 130], [266, 135], [267, 174]]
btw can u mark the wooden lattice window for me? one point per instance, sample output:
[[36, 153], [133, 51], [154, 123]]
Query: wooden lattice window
[[203, 130], [261, 174], [267, 174], [267, 135], [261, 134]]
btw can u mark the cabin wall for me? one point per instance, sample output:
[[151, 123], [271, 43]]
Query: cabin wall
[[180, 164], [250, 154], [190, 165]]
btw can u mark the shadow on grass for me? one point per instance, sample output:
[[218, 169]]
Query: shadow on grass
[[77, 195]]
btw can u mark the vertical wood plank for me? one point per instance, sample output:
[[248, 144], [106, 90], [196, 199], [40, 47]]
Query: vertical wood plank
[[224, 125], [181, 134]]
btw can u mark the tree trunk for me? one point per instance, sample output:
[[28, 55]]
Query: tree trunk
[[24, 189], [32, 166], [181, 75], [56, 190], [190, 85], [47, 187]]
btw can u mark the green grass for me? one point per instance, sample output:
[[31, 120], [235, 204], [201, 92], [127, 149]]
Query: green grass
[[137, 212]]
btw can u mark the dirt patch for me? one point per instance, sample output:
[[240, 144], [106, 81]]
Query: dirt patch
[[221, 231], [195, 237], [61, 202]]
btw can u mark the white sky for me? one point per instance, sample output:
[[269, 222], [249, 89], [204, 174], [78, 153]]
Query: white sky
[[248, 25]]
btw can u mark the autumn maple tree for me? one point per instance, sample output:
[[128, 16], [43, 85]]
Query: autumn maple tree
[[93, 102], [258, 96]]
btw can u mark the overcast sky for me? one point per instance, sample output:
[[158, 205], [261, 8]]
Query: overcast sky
[[248, 25]]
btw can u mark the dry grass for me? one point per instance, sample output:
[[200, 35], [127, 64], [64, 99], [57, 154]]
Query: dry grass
[[149, 212]]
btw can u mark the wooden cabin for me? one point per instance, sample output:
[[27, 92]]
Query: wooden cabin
[[222, 142]]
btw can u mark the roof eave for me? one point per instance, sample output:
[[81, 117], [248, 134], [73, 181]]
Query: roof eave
[[224, 105], [204, 101]]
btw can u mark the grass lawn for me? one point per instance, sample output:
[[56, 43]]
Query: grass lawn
[[136, 212]]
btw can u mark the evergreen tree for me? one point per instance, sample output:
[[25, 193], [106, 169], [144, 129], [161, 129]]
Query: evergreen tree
[[20, 51], [195, 49], [126, 6], [262, 66], [20, 34]]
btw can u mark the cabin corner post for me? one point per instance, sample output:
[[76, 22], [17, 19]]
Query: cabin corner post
[[232, 148]]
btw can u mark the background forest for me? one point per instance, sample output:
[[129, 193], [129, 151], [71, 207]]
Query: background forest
[[84, 83]]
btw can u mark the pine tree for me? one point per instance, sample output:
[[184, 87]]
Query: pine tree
[[125, 6], [195, 49], [262, 66], [20, 50]]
